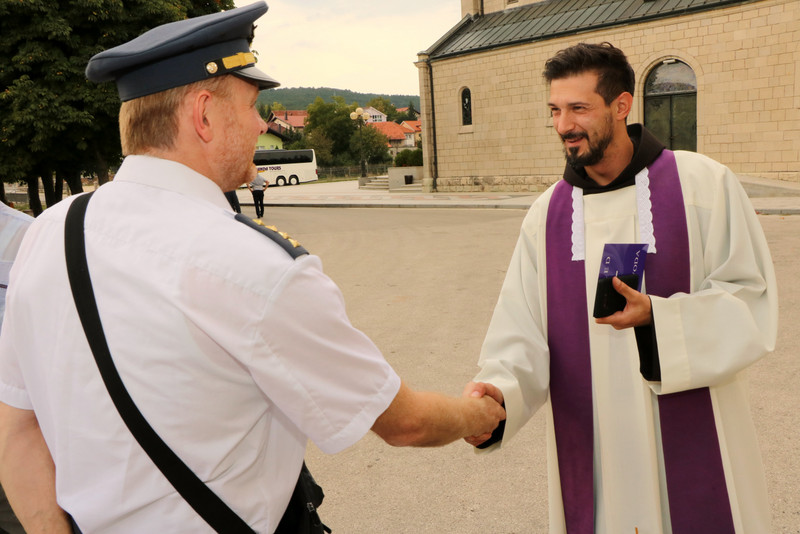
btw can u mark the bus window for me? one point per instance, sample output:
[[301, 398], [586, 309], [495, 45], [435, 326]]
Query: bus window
[[286, 167]]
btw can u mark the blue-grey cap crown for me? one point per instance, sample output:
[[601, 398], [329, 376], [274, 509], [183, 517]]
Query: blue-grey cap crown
[[178, 53]]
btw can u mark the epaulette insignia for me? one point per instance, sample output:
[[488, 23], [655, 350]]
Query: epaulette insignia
[[288, 244]]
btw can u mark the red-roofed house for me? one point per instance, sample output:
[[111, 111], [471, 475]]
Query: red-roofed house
[[291, 118], [400, 138], [416, 126], [406, 109]]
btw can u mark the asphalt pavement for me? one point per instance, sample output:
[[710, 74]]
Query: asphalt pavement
[[769, 197]]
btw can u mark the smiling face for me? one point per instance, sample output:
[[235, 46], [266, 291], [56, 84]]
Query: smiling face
[[581, 118]]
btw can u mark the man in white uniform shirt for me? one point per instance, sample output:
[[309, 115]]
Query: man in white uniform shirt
[[235, 347], [13, 224], [257, 187]]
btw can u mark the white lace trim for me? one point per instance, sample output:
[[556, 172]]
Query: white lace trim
[[578, 235], [645, 207]]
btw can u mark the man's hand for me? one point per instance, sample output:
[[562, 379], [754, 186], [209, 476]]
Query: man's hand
[[638, 311], [480, 390], [427, 419]]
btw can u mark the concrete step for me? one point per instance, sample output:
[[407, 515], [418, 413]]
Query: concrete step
[[380, 183], [409, 188]]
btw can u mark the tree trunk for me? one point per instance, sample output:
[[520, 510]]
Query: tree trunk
[[102, 175], [34, 201], [102, 172], [53, 188], [3, 193], [74, 182]]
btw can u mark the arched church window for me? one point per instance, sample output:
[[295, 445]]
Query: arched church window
[[466, 107], [670, 104]]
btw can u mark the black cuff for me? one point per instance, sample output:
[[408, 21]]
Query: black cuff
[[649, 363], [497, 435]]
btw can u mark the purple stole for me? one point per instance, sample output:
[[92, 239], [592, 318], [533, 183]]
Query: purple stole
[[696, 488]]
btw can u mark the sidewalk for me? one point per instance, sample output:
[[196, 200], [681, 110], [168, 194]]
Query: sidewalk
[[769, 197]]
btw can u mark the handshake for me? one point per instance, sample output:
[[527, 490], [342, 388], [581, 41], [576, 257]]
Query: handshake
[[428, 419], [492, 399]]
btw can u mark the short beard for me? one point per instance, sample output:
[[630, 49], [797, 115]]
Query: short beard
[[595, 151]]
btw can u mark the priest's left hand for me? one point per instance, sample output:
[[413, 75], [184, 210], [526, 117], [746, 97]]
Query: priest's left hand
[[638, 311]]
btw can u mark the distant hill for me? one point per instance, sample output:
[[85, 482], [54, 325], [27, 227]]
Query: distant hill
[[301, 97]]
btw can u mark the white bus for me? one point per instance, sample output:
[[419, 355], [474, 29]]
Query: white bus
[[286, 167]]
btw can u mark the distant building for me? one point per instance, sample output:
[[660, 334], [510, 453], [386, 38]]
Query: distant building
[[400, 137], [416, 127], [409, 111], [718, 76], [375, 115], [292, 119], [279, 125]]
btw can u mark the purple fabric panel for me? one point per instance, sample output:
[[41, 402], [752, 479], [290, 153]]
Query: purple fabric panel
[[667, 271], [570, 365], [698, 494]]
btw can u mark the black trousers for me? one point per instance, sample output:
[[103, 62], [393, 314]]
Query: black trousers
[[258, 200]]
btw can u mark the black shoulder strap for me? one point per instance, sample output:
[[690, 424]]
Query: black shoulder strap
[[204, 501]]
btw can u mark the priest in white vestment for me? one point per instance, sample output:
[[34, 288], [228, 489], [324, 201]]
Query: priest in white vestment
[[650, 433]]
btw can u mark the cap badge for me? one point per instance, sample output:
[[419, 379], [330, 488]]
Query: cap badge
[[242, 59]]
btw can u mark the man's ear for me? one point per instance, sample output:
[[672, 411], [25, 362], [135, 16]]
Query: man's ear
[[202, 116], [622, 105]]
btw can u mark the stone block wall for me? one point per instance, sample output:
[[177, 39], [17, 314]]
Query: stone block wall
[[746, 59]]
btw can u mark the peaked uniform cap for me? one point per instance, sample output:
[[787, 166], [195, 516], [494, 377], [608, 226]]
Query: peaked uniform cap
[[183, 52]]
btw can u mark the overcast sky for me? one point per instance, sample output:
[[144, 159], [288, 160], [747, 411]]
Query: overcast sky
[[366, 46]]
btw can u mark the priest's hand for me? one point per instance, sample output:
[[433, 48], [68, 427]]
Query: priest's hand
[[481, 389], [638, 311]]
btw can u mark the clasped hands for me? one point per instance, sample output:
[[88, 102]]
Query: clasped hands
[[480, 390]]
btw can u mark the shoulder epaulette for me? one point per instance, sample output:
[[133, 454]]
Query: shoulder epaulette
[[288, 244]]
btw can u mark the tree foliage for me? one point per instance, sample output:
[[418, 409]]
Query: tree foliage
[[331, 121], [374, 144], [302, 97], [409, 158], [409, 115], [54, 123]]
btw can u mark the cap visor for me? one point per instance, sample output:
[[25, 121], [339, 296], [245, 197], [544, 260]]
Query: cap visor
[[254, 75]]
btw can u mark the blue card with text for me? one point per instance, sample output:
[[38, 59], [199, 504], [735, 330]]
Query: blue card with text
[[623, 258], [625, 261]]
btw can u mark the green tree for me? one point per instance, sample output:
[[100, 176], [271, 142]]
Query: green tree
[[332, 120], [54, 124], [374, 144], [408, 115], [409, 158], [322, 145]]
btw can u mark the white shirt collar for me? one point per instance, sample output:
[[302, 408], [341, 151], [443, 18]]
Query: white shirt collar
[[171, 176]]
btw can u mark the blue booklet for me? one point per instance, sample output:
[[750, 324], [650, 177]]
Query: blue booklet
[[625, 261]]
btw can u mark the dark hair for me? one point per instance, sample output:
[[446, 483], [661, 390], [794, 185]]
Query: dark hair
[[614, 74]]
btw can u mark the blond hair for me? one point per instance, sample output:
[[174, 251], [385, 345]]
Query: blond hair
[[151, 122]]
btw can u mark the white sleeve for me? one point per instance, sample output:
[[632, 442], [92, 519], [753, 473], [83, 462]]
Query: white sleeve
[[515, 356], [729, 320], [327, 376]]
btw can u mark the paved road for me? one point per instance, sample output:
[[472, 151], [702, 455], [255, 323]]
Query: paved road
[[422, 284]]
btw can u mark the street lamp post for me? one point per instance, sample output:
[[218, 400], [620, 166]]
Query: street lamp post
[[361, 117]]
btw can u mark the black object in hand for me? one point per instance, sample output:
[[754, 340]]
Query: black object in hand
[[607, 301]]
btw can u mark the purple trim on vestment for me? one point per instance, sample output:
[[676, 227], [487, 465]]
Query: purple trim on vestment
[[570, 366], [698, 494], [696, 488]]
